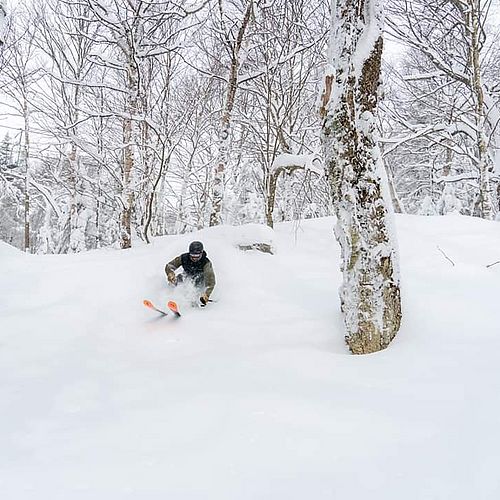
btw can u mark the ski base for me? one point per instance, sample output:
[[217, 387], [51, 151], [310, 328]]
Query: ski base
[[173, 308], [150, 305]]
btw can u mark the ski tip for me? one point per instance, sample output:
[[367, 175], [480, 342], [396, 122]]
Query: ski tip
[[173, 306], [148, 303]]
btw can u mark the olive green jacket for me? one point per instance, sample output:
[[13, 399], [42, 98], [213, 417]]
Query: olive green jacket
[[208, 273]]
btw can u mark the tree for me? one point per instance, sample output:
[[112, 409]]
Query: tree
[[451, 36], [67, 65], [279, 112], [370, 293], [6, 151], [233, 40], [18, 80], [3, 14]]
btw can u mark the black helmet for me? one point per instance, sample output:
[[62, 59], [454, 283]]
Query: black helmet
[[196, 247]]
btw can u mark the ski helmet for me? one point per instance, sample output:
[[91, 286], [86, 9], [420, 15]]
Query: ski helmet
[[196, 247]]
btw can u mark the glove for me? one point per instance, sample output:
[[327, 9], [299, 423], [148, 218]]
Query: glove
[[172, 279], [204, 300]]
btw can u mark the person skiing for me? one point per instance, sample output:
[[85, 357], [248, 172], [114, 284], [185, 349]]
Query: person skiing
[[197, 268]]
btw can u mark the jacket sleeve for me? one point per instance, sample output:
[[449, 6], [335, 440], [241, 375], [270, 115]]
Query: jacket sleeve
[[172, 266], [209, 275]]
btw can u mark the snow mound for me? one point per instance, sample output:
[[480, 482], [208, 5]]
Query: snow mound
[[8, 251], [254, 396]]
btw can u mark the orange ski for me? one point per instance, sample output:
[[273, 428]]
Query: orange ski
[[173, 307], [150, 305]]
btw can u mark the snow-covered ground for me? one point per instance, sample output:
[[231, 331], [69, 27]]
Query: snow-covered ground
[[256, 396]]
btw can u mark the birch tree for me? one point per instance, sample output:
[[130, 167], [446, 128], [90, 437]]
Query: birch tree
[[233, 34], [132, 37], [18, 81], [370, 293]]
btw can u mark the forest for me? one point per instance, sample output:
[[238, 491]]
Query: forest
[[123, 121]]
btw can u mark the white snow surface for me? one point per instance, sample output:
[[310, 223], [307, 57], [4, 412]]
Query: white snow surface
[[256, 396]]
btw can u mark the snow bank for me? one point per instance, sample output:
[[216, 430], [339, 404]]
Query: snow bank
[[245, 237], [256, 396], [8, 251]]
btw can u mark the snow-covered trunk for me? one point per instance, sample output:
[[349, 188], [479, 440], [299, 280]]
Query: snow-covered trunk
[[272, 181], [485, 206], [77, 224], [128, 156], [148, 182], [370, 293], [182, 208], [225, 126], [153, 218], [397, 204], [2, 22], [155, 151], [27, 176], [220, 169], [493, 115], [100, 168]]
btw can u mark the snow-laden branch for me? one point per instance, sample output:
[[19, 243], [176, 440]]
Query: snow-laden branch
[[45, 192], [422, 76], [456, 178], [287, 161]]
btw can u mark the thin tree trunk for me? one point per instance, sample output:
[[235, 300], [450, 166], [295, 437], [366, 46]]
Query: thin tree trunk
[[27, 178], [225, 128], [485, 203], [128, 158]]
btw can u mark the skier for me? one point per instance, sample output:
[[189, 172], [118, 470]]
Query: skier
[[197, 268]]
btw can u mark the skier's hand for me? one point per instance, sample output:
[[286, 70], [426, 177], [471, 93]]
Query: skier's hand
[[204, 300], [172, 279]]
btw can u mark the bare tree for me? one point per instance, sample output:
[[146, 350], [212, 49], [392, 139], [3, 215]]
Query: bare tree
[[66, 40], [233, 39], [137, 38], [370, 293], [452, 37], [18, 80]]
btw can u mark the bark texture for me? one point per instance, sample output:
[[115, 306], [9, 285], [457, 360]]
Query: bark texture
[[370, 293]]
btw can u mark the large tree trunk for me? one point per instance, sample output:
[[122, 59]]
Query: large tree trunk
[[370, 293]]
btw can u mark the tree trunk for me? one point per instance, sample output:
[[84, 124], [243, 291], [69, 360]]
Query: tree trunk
[[370, 293], [485, 205], [128, 158], [77, 236], [225, 128], [27, 178], [271, 197]]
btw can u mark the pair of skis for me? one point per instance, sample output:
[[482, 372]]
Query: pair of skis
[[171, 305]]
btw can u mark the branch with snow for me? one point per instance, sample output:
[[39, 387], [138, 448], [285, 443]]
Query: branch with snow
[[290, 162]]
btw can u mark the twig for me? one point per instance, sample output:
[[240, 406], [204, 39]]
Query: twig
[[447, 258], [494, 264]]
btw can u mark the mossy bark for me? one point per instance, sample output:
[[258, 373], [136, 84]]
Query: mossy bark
[[370, 293]]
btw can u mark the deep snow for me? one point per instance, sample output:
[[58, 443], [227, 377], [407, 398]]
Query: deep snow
[[256, 396]]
